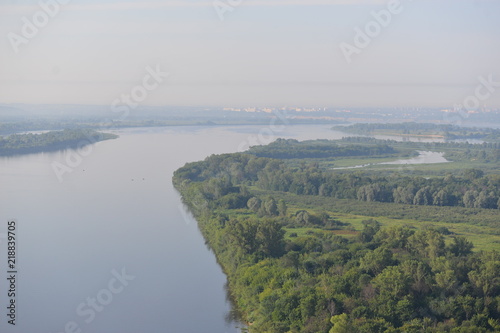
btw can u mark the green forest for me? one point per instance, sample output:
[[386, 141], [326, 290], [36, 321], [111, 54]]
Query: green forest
[[448, 132], [365, 147], [15, 144], [472, 189], [290, 149], [298, 260]]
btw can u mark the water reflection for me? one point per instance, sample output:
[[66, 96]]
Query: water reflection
[[424, 157], [234, 317]]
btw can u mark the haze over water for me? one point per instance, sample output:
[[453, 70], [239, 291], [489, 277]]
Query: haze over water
[[118, 210]]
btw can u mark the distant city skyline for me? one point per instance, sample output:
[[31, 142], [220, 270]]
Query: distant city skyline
[[317, 53]]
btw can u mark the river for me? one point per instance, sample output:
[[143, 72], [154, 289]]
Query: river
[[108, 247]]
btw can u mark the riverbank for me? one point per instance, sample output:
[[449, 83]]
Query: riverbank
[[20, 144], [295, 264]]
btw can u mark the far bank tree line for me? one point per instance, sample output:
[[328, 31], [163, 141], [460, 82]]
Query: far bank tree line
[[50, 141], [287, 149], [472, 189]]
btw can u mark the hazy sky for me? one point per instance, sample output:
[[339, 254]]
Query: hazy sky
[[264, 52]]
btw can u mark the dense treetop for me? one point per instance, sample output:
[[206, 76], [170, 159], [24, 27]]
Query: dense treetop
[[381, 279]]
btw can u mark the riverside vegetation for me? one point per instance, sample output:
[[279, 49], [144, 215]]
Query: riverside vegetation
[[448, 132], [308, 249], [16, 144]]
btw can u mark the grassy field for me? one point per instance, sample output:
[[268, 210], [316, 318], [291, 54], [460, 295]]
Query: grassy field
[[484, 237], [372, 164], [480, 226], [477, 235], [430, 170]]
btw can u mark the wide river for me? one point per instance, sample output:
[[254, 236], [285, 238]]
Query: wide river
[[108, 247]]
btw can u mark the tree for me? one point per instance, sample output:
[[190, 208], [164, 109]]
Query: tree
[[441, 198], [404, 195], [420, 276], [270, 238], [461, 246], [371, 227], [375, 261], [469, 199], [392, 282], [427, 243], [486, 278], [394, 237], [447, 281], [485, 200], [340, 324], [243, 234], [302, 217], [324, 217], [291, 259], [282, 208], [254, 204], [324, 190], [368, 193], [423, 196], [365, 325], [393, 301], [270, 207], [472, 174], [217, 187]]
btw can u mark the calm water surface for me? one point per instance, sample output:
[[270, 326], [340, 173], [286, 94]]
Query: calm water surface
[[117, 210]]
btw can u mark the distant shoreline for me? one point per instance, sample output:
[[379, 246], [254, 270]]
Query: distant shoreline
[[22, 144]]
